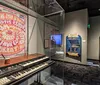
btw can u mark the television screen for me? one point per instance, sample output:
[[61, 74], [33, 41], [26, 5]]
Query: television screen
[[57, 39]]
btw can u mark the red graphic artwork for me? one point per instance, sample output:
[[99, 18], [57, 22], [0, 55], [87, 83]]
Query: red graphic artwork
[[12, 33]]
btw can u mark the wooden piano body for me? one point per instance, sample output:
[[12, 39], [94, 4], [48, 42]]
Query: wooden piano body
[[16, 70]]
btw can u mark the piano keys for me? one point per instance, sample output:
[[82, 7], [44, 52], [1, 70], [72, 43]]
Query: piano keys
[[34, 61], [21, 65], [12, 74], [28, 71], [23, 73]]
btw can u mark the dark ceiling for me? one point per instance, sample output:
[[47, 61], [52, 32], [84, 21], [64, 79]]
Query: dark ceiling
[[73, 5]]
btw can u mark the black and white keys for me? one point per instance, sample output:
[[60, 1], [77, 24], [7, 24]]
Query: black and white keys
[[34, 61], [18, 75]]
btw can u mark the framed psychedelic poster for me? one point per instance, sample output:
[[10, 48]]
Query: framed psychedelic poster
[[73, 46], [13, 32]]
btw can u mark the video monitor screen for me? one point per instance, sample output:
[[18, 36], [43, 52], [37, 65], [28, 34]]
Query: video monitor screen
[[57, 39]]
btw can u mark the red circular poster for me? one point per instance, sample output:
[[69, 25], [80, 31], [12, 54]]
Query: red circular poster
[[12, 32]]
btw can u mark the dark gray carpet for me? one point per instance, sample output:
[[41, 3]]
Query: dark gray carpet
[[79, 74]]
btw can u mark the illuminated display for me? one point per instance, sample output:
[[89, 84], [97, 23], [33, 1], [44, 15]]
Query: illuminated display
[[12, 31], [57, 39]]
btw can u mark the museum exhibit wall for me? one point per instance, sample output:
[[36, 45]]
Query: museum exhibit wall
[[94, 38], [40, 36], [36, 37], [32, 35], [76, 23]]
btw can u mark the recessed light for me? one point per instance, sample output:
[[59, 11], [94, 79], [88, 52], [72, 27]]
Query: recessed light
[[99, 9]]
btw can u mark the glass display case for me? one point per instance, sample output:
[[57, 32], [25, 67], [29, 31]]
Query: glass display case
[[26, 60]]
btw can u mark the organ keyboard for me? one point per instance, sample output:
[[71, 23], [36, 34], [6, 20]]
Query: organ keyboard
[[11, 75], [32, 62]]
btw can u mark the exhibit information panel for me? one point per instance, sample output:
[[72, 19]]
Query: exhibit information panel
[[13, 32], [73, 46]]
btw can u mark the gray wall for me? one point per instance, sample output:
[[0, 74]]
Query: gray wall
[[93, 38], [36, 35], [32, 35], [76, 23], [40, 36]]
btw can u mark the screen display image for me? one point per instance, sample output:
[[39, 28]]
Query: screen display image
[[56, 39]]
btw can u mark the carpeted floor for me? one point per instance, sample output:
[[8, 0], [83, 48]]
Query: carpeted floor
[[77, 74]]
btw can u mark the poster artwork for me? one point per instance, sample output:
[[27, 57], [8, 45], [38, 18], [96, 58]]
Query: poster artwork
[[12, 32], [73, 46]]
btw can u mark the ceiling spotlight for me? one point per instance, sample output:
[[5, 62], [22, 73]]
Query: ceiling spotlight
[[98, 9]]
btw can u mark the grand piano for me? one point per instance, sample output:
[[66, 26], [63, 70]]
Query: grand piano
[[19, 69]]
